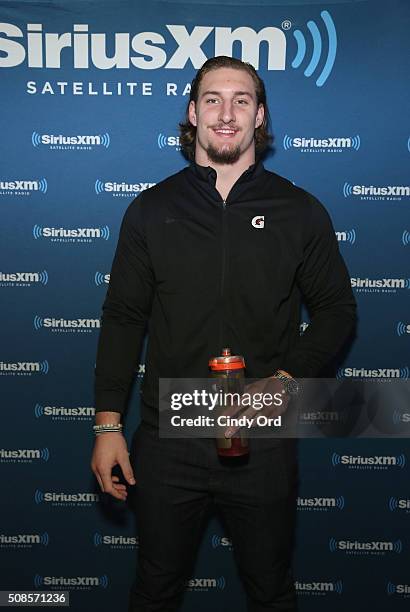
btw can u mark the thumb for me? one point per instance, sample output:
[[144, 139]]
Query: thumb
[[126, 468]]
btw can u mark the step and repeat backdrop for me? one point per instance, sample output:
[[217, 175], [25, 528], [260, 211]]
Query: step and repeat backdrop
[[91, 95]]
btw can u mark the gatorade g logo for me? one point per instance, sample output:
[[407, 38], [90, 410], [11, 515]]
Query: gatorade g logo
[[258, 222]]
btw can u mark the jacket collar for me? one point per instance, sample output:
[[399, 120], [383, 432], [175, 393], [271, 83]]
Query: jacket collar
[[208, 174]]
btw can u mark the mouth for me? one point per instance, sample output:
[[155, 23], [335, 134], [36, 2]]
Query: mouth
[[225, 132]]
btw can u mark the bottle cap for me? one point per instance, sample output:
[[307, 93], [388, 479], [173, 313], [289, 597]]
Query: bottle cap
[[226, 361]]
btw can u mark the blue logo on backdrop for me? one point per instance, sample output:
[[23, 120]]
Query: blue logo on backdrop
[[398, 589], [65, 325], [396, 503], [321, 503], [62, 413], [402, 328], [355, 547], [24, 540], [318, 587], [379, 285], [405, 238], [78, 234], [78, 142], [121, 189], [168, 142], [23, 368], [23, 187], [23, 279], [101, 279], [375, 373], [65, 499], [224, 542], [371, 192], [115, 542], [205, 584], [348, 236], [306, 144], [24, 455], [378, 462], [77, 582]]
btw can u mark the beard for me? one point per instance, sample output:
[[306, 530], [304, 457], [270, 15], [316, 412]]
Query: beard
[[223, 156]]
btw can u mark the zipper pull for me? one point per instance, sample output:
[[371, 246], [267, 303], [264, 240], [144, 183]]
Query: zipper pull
[[224, 203]]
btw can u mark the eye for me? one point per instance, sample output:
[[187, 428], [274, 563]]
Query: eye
[[242, 101], [211, 100]]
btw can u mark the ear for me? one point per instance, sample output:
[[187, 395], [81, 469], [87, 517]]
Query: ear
[[259, 116], [192, 113]]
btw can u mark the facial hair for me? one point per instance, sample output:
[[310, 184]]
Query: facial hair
[[223, 156]]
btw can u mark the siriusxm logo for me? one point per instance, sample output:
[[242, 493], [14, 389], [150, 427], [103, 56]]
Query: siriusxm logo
[[355, 547], [378, 462], [321, 145], [303, 327], [124, 542], [217, 540], [205, 584], [24, 540], [78, 234], [77, 142], [376, 373], [23, 279], [23, 368], [101, 279], [398, 589], [120, 189], [395, 503], [405, 238], [318, 588], [65, 499], [321, 503], [371, 192], [66, 325], [149, 50], [346, 236], [61, 413], [140, 370], [172, 142], [80, 582], [321, 417], [24, 455], [379, 285], [402, 328], [23, 187]]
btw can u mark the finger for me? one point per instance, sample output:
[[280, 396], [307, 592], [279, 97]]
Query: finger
[[126, 468], [99, 481], [107, 484]]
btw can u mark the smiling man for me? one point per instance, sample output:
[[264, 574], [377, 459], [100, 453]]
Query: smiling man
[[218, 255]]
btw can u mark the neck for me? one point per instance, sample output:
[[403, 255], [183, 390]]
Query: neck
[[227, 174]]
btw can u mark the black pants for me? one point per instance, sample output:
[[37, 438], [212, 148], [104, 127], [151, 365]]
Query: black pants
[[177, 482]]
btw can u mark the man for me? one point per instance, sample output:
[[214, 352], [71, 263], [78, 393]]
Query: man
[[217, 255]]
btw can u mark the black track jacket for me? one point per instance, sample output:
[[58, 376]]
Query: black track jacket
[[204, 274]]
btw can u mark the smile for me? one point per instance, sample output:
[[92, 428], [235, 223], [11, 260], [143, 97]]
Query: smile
[[225, 131]]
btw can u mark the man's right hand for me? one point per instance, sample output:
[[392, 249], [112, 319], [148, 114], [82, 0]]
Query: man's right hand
[[110, 449]]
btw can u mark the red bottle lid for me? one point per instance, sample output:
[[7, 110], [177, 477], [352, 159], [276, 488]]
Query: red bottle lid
[[226, 361]]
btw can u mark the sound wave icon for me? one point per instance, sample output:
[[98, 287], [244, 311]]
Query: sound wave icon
[[99, 187], [391, 588], [103, 581], [221, 582], [98, 540], [162, 141], [317, 48], [405, 238], [287, 142], [355, 142], [332, 545], [43, 277], [401, 460], [347, 190], [396, 417], [335, 459], [340, 502], [44, 367], [38, 580], [404, 372], [398, 546], [45, 454], [408, 144], [340, 373], [105, 140], [38, 322], [42, 185], [216, 541], [338, 586], [105, 232], [99, 278], [38, 411], [401, 329], [393, 504], [37, 231], [44, 539], [36, 139], [38, 496]]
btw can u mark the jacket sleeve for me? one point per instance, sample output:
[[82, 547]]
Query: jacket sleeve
[[126, 310], [325, 286]]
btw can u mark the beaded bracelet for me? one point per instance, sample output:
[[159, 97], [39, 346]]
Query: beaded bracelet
[[107, 427]]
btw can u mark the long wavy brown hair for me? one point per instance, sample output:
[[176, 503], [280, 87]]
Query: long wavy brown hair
[[187, 137]]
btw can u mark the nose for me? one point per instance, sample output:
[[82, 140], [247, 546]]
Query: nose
[[227, 112]]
